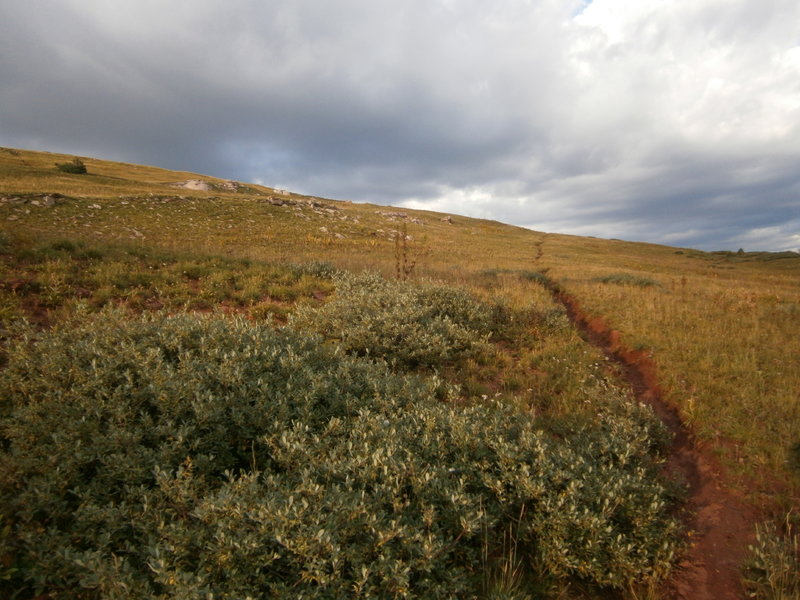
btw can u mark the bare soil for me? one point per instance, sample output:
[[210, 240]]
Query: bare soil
[[719, 522]]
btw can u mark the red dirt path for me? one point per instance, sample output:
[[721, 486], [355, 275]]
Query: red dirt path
[[720, 523]]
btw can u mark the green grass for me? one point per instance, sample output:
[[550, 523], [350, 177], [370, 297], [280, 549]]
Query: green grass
[[46, 282], [773, 572]]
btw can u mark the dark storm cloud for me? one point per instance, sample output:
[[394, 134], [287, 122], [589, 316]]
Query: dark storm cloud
[[667, 122]]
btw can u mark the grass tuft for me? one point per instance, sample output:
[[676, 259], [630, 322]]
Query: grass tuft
[[773, 572]]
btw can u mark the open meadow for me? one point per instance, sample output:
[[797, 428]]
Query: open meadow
[[241, 392]]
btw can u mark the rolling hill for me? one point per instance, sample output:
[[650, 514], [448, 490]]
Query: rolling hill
[[668, 372]]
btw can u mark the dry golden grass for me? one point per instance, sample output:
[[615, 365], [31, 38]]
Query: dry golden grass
[[724, 333]]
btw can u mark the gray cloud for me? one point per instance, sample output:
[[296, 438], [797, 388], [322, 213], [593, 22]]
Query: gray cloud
[[667, 122]]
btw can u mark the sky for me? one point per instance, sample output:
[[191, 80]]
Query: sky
[[666, 121]]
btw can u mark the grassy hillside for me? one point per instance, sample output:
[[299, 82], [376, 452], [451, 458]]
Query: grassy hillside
[[721, 328]]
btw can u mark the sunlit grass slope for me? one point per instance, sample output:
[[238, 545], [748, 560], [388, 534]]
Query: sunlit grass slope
[[723, 328]]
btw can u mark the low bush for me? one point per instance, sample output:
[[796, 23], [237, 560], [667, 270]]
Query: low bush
[[627, 279], [406, 324], [65, 246], [187, 456], [536, 276], [316, 268], [75, 167], [794, 456]]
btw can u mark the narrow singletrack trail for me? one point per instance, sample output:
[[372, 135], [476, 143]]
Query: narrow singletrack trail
[[719, 522]]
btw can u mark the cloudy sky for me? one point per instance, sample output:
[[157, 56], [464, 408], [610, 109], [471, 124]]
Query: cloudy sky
[[670, 121]]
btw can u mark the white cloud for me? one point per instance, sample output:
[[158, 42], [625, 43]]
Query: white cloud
[[639, 120], [710, 72], [779, 237]]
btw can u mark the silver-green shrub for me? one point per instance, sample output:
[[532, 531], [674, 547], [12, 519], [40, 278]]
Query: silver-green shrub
[[406, 324], [198, 457]]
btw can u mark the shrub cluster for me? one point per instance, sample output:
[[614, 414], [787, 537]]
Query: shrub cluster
[[537, 277], [75, 166], [193, 457], [627, 279], [409, 325]]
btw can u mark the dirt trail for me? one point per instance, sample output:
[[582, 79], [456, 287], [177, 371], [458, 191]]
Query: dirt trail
[[719, 521]]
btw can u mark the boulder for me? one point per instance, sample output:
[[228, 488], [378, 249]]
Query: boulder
[[231, 186]]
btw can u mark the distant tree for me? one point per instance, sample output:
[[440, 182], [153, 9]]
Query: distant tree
[[76, 166]]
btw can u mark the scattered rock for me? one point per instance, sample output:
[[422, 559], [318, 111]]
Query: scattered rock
[[392, 215], [52, 199], [46, 200], [278, 201], [231, 186], [193, 184], [393, 234], [318, 204], [399, 215], [95, 206]]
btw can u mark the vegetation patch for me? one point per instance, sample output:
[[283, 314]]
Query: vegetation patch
[[75, 167], [627, 279], [743, 256], [40, 281], [188, 456], [410, 325], [536, 276], [773, 571]]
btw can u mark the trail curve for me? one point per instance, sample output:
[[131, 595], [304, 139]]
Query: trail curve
[[719, 522]]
